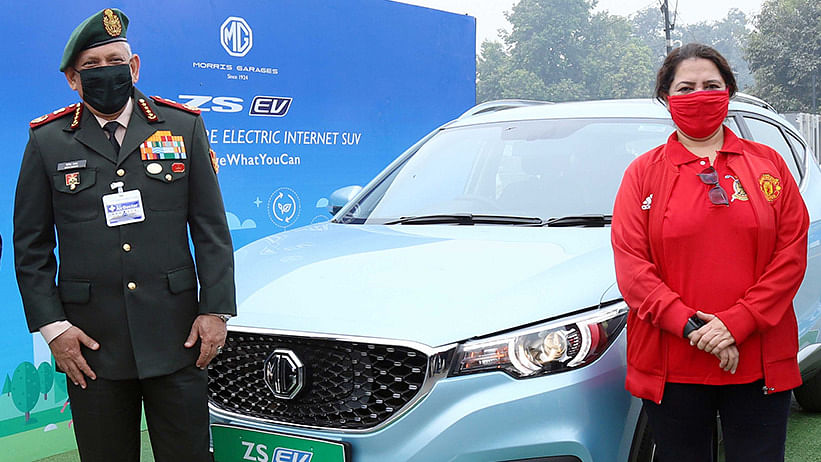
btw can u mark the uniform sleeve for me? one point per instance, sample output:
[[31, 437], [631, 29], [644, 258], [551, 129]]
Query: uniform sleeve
[[213, 250], [765, 303], [638, 276], [34, 241]]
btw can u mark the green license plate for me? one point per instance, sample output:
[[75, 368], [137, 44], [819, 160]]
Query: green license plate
[[235, 444]]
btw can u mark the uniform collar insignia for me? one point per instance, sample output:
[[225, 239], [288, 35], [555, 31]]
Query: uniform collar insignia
[[148, 112]]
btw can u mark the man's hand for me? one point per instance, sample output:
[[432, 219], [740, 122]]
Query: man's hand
[[729, 358], [212, 331], [713, 336], [66, 350]]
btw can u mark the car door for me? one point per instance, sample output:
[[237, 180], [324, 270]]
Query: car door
[[806, 171]]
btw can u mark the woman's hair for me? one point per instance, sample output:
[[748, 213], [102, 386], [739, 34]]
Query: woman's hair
[[667, 73]]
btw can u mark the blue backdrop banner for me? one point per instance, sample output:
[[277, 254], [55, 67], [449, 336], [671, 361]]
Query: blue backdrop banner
[[300, 97]]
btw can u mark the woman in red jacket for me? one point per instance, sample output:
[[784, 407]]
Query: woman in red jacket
[[710, 239]]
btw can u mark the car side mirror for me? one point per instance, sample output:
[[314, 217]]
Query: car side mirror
[[342, 196]]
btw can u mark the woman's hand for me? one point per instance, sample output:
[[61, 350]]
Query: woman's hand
[[713, 336], [729, 358]]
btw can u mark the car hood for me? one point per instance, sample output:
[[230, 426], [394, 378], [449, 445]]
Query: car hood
[[432, 284]]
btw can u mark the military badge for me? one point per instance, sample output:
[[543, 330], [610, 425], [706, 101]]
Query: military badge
[[162, 145], [738, 190], [178, 167], [770, 186], [111, 23], [72, 180]]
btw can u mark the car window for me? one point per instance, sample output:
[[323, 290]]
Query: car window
[[544, 168], [798, 148], [732, 124], [770, 135]]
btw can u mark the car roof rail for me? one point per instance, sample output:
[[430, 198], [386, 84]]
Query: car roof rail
[[755, 101], [500, 105]]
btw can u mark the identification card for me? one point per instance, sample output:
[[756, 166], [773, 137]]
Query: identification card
[[123, 208]]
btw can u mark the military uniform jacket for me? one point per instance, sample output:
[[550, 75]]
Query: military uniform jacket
[[133, 288]]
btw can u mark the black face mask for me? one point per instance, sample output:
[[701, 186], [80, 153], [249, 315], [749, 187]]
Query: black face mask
[[107, 88]]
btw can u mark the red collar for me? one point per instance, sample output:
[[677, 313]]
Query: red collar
[[678, 154]]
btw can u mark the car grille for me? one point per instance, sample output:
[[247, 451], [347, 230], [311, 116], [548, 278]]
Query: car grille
[[348, 385]]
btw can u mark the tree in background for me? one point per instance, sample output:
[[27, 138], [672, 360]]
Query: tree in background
[[729, 36], [558, 50], [784, 55], [25, 388], [46, 375], [648, 26]]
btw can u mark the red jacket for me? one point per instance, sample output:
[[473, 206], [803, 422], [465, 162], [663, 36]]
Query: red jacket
[[765, 308]]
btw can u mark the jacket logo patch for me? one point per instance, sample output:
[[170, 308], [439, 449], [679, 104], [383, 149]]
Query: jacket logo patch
[[647, 203], [770, 186], [738, 190]]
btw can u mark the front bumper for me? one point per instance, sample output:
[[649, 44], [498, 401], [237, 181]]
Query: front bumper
[[584, 413]]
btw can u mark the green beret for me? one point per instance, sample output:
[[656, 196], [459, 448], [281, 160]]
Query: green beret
[[104, 27]]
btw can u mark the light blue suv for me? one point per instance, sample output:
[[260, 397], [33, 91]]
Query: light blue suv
[[463, 306]]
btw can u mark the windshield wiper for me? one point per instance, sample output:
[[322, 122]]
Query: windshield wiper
[[584, 221], [466, 219]]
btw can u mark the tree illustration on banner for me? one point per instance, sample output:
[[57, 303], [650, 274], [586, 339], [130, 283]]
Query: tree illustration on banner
[[7, 386], [60, 385], [60, 392], [46, 374], [25, 388]]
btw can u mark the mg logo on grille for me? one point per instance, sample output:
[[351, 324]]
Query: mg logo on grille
[[236, 36], [284, 373]]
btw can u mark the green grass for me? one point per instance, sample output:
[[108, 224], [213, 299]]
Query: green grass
[[803, 436], [73, 456]]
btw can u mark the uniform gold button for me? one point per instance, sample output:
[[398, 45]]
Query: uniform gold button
[[132, 285], [168, 177], [127, 247], [120, 172]]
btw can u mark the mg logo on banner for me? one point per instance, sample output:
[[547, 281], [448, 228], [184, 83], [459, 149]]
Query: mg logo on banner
[[236, 36]]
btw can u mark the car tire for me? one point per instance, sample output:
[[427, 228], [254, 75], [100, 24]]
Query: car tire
[[809, 394]]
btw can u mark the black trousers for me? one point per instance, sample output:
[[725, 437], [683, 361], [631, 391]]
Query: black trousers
[[754, 425], [107, 417]]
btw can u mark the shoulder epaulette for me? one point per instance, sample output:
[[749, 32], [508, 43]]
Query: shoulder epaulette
[[174, 104], [76, 108]]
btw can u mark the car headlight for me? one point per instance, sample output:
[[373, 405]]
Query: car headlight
[[555, 346]]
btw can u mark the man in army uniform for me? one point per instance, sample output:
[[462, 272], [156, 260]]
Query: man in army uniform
[[123, 179]]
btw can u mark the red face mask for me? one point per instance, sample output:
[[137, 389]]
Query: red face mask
[[699, 114]]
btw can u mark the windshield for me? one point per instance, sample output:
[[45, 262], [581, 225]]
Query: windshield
[[543, 168]]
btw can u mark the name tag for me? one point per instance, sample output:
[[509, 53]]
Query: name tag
[[71, 165], [123, 208]]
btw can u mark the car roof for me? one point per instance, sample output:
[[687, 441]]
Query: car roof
[[518, 110]]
